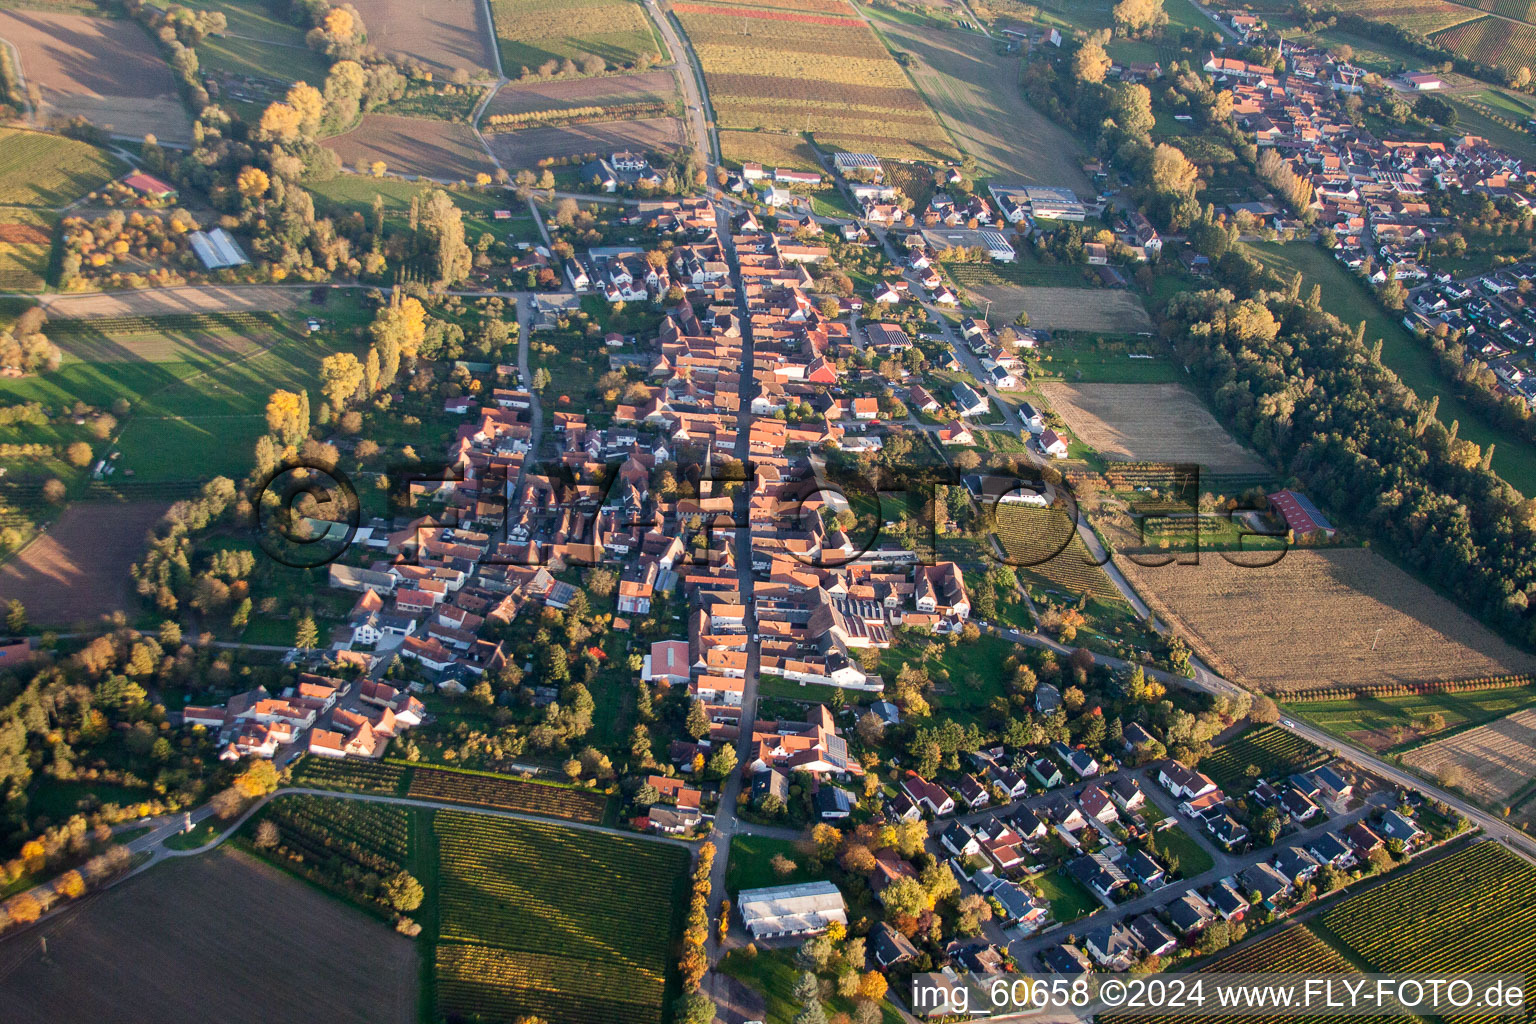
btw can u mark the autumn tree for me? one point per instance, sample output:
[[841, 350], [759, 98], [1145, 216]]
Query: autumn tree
[[252, 183], [280, 122], [403, 892], [1090, 63], [442, 231], [1137, 15], [340, 377], [307, 635], [288, 416]]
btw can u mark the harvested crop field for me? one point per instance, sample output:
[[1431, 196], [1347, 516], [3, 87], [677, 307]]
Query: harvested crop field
[[975, 93], [1050, 308], [445, 35], [409, 145], [1489, 763], [536, 33], [771, 149], [170, 301], [166, 940], [104, 70], [1149, 423], [78, 570], [527, 148], [1309, 621], [774, 70], [520, 98]]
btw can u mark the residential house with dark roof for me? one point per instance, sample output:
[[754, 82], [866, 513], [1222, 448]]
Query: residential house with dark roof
[[1153, 935], [1189, 913]]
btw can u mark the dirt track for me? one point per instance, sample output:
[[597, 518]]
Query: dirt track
[[210, 298]]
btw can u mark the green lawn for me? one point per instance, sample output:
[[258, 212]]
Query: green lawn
[[1193, 858], [260, 45], [194, 415], [59, 799], [975, 673], [750, 864], [1081, 358], [1069, 899], [353, 193], [1369, 720], [773, 973], [1346, 297]]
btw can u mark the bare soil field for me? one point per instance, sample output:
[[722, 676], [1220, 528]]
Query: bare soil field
[[527, 148], [105, 70], [1310, 621], [521, 98], [1107, 311], [215, 937], [409, 145], [1490, 763], [444, 34], [78, 570], [1151, 423], [976, 95], [163, 301]]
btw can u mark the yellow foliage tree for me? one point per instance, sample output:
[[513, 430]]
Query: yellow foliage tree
[[252, 182], [872, 986], [306, 99], [281, 122], [70, 885], [377, 168], [338, 24]]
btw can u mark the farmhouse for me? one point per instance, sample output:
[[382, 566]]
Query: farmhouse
[[804, 909]]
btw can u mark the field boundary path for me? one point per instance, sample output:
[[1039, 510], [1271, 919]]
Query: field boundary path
[[690, 76]]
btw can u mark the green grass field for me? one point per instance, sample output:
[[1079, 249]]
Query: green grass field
[[1347, 298], [1270, 749], [260, 45], [751, 864], [773, 973], [37, 169], [975, 673], [1371, 720], [346, 194], [1069, 900], [1192, 857], [531, 32], [1086, 359], [195, 414]]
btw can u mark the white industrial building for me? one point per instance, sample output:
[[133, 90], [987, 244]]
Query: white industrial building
[[803, 909]]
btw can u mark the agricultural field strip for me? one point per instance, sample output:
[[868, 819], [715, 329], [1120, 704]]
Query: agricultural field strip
[[1496, 760], [1321, 619], [1270, 749], [550, 940], [1033, 538], [1293, 950], [1474, 911], [805, 57]]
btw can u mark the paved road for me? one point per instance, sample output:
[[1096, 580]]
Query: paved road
[[700, 115], [725, 824]]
